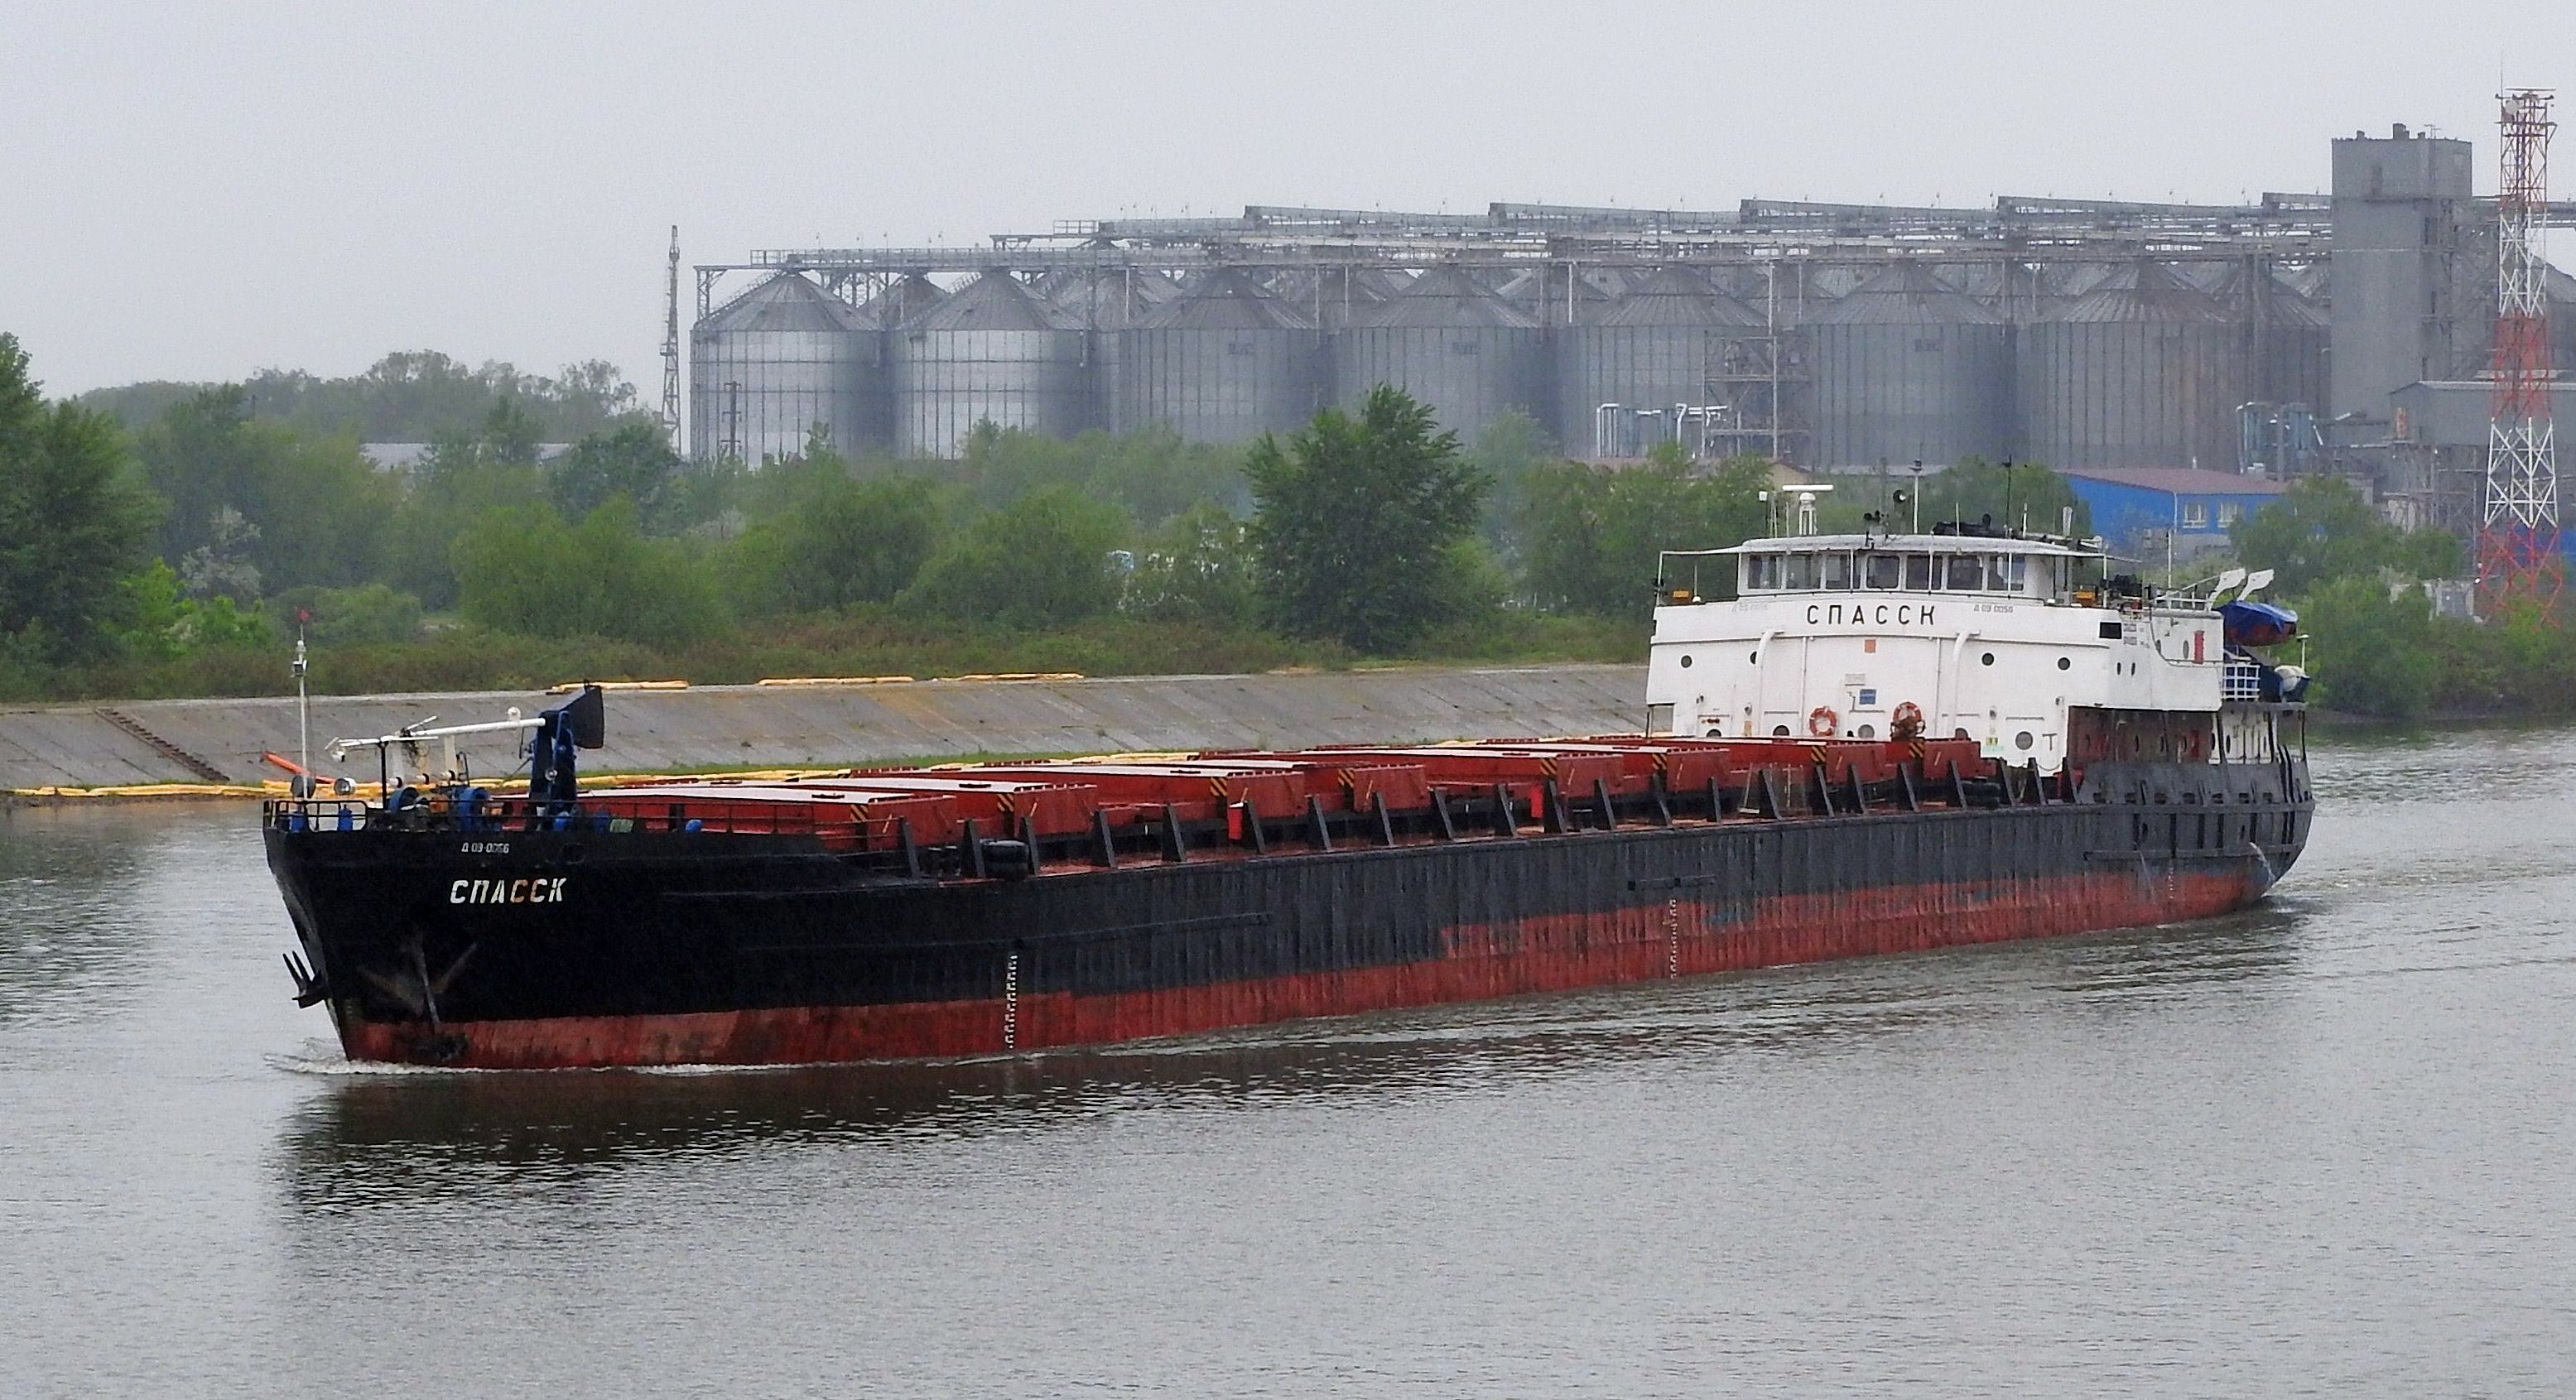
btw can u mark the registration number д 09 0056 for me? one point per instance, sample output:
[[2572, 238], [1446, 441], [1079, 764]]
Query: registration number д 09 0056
[[485, 848]]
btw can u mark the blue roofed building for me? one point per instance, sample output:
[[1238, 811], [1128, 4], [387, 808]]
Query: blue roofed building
[[2134, 508]]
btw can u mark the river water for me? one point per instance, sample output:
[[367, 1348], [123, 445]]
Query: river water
[[2325, 1147]]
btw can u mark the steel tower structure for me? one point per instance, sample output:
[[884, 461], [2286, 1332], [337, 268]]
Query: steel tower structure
[[671, 348], [2518, 555]]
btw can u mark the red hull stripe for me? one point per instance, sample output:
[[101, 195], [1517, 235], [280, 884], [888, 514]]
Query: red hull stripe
[[1535, 955]]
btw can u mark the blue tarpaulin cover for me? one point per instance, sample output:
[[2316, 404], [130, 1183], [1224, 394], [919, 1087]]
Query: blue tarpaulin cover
[[2258, 624]]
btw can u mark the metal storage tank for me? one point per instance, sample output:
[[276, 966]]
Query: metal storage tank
[[772, 364], [2284, 336], [1906, 367], [1334, 297], [1107, 298], [1651, 350], [2144, 370], [1543, 292], [1104, 301], [1224, 363], [1468, 354], [909, 297], [990, 353]]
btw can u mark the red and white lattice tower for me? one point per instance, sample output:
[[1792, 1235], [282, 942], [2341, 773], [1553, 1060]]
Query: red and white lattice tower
[[2518, 537]]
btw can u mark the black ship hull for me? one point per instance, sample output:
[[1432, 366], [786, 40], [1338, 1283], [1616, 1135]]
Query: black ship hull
[[536, 947]]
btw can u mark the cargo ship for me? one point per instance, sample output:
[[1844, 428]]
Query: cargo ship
[[1851, 745]]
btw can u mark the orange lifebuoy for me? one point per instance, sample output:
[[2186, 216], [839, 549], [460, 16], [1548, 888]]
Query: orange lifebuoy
[[1907, 722], [1822, 722]]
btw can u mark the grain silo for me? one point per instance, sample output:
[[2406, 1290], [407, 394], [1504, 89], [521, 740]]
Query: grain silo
[[772, 365], [2143, 370], [1906, 367], [1336, 296], [908, 299], [2283, 336], [1466, 353], [1224, 363], [1653, 350], [990, 353], [1105, 302], [1107, 298]]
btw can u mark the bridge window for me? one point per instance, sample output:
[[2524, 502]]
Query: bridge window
[[2007, 572], [1964, 573], [1761, 572], [1834, 570], [1918, 572], [1797, 571], [1884, 571]]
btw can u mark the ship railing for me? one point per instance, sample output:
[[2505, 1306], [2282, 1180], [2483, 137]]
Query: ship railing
[[2242, 680], [1119, 833], [507, 814]]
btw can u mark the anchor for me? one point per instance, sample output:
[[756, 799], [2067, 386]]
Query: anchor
[[309, 990]]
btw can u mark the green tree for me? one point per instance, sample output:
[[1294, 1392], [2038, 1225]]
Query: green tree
[[409, 396], [72, 526], [274, 505], [527, 571], [368, 613], [1976, 490], [833, 542], [1198, 568], [634, 461], [2372, 651], [1590, 535], [1150, 473], [1040, 562], [1355, 519], [2322, 529], [1507, 451]]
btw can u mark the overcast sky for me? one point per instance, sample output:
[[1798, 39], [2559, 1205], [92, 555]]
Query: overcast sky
[[197, 192]]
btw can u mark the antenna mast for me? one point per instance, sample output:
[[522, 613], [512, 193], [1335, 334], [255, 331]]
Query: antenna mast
[[671, 347], [2518, 535]]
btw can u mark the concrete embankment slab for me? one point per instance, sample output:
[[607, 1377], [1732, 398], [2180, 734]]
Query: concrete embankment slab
[[727, 726]]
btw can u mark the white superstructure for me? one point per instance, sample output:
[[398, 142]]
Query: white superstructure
[[1991, 638]]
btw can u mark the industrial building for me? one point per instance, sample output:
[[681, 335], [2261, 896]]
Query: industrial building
[[2274, 338], [2150, 512]]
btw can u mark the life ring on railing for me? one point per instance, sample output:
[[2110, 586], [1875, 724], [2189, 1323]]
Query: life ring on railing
[[1907, 722], [1822, 722]]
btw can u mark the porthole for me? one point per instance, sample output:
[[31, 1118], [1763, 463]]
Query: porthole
[[1986, 660], [2062, 663], [1686, 661], [2023, 741], [1779, 731], [1752, 658], [1868, 731]]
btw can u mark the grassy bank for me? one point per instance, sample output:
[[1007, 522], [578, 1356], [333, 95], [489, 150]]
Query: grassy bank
[[862, 642]]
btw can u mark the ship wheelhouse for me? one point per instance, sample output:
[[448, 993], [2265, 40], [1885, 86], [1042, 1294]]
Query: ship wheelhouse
[[2028, 645]]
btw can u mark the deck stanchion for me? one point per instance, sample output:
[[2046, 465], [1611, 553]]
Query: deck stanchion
[[1175, 849], [1385, 823], [1506, 821], [1104, 847], [1318, 831], [971, 846], [1440, 815]]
